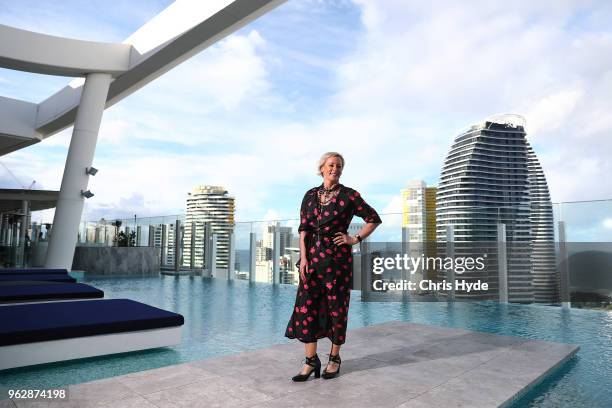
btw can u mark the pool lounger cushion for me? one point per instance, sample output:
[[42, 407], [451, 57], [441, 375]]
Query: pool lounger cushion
[[25, 291], [38, 277], [59, 331], [62, 320], [33, 271]]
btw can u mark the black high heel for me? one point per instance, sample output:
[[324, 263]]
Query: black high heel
[[329, 375], [315, 363]]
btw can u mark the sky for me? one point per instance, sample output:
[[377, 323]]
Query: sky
[[388, 83]]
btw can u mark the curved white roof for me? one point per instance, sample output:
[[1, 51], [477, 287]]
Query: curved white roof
[[180, 31]]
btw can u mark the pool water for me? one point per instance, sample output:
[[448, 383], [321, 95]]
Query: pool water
[[229, 317]]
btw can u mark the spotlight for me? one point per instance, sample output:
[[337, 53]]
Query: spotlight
[[91, 171], [87, 194]]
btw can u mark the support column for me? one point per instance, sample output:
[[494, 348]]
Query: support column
[[231, 257], [4, 229], [21, 249], [276, 254], [151, 235], [502, 263], [192, 246], [252, 256], [164, 244], [450, 252], [564, 286], [212, 255], [80, 156], [178, 245]]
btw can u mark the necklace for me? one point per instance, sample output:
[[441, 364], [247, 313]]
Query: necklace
[[325, 195]]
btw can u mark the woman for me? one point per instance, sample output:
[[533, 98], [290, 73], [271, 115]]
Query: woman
[[326, 268]]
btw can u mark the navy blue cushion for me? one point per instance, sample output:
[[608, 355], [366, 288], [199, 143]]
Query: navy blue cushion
[[34, 290], [42, 277], [62, 320], [33, 271]]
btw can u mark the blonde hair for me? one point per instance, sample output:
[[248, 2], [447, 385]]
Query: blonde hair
[[324, 158]]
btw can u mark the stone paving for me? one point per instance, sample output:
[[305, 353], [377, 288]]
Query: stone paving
[[394, 364]]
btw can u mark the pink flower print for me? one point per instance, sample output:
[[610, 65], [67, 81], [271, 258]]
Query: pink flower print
[[310, 318], [305, 322], [312, 250], [329, 269], [314, 312], [304, 309], [297, 322], [346, 279], [359, 208], [309, 203], [341, 203], [352, 198], [309, 302], [305, 286], [315, 212], [328, 251], [335, 222], [334, 313], [335, 212], [326, 213], [315, 260], [329, 285], [303, 220], [356, 194], [326, 228], [322, 254], [340, 338], [297, 309], [305, 331], [338, 272], [290, 329]]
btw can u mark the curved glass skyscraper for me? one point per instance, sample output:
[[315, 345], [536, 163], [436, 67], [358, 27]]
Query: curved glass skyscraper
[[491, 176]]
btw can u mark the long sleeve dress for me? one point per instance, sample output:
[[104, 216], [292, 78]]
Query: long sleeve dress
[[322, 301]]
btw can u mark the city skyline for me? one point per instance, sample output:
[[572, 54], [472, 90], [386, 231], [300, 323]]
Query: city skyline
[[345, 74]]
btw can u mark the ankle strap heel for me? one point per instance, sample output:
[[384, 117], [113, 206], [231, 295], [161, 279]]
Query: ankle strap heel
[[313, 362], [335, 359]]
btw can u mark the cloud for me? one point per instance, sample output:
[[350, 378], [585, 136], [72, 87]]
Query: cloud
[[255, 111]]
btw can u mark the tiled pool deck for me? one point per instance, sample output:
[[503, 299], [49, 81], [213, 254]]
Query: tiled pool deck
[[395, 364]]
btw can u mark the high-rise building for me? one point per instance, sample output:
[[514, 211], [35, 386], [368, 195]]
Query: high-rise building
[[491, 176], [545, 282], [419, 223], [163, 238], [210, 205], [419, 211]]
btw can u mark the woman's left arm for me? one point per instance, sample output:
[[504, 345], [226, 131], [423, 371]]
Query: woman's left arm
[[369, 215]]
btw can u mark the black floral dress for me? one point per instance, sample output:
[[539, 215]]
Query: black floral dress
[[322, 301]]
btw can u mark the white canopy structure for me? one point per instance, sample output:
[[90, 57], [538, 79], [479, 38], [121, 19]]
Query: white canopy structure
[[108, 73]]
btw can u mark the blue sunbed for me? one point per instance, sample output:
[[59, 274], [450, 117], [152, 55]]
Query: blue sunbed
[[36, 291], [38, 277], [57, 331], [33, 271]]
